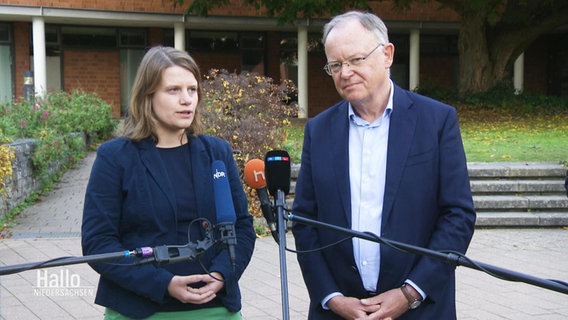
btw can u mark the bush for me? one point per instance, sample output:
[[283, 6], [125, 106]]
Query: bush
[[82, 112], [55, 122], [249, 111], [6, 157], [503, 97]]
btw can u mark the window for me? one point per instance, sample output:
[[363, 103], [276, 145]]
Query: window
[[252, 49], [52, 35], [75, 36], [129, 61], [214, 41], [439, 45], [6, 78], [132, 38], [289, 53], [5, 33], [132, 43]]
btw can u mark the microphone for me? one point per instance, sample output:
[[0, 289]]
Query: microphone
[[166, 254], [254, 177], [224, 209], [278, 171]]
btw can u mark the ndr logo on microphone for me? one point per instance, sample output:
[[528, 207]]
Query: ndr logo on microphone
[[61, 283], [219, 174]]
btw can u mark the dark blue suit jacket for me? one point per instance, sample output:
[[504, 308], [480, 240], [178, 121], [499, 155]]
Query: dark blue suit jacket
[[130, 203], [427, 203], [566, 184]]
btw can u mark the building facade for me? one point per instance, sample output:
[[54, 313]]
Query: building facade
[[97, 45]]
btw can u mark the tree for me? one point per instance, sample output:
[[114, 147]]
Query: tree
[[286, 10], [492, 34]]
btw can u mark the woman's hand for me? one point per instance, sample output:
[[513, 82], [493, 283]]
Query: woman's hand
[[180, 287]]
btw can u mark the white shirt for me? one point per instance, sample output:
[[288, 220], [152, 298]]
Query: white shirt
[[367, 174]]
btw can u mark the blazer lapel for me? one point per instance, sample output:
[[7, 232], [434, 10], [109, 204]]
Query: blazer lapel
[[202, 177], [339, 131], [402, 127]]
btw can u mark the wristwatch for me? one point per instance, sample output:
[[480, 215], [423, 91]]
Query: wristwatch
[[413, 302]]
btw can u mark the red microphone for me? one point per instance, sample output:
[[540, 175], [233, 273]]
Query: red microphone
[[255, 178], [254, 174]]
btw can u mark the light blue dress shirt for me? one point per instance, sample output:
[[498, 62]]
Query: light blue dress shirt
[[367, 171], [368, 144]]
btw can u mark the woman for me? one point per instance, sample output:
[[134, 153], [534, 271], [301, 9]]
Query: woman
[[145, 190]]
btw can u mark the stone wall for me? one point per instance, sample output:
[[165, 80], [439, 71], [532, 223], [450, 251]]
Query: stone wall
[[23, 183]]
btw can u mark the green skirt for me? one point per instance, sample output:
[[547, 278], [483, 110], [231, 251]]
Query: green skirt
[[218, 313]]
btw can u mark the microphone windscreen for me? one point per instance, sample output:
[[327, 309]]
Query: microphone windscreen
[[254, 174], [278, 171], [224, 209]]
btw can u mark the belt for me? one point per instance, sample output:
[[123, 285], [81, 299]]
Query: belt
[[371, 293]]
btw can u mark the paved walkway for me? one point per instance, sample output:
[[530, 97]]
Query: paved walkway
[[51, 229]]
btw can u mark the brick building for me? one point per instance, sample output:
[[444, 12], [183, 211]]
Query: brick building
[[96, 45]]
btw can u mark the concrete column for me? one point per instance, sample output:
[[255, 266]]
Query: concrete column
[[519, 73], [414, 63], [179, 35], [303, 71], [40, 68]]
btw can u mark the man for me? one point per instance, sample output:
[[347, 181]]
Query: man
[[387, 161], [566, 183]]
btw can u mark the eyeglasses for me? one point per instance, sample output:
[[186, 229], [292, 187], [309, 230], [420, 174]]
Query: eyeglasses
[[334, 67]]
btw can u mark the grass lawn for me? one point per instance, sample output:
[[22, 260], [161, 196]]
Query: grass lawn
[[493, 136]]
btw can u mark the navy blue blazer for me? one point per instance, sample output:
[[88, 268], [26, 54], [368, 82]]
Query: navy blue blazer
[[130, 203], [566, 183], [427, 203]]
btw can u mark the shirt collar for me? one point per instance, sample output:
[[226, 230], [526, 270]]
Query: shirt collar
[[388, 110]]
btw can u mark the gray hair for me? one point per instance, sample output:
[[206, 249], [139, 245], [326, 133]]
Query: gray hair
[[369, 21]]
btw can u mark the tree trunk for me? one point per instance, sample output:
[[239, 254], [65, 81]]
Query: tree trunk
[[475, 67], [486, 53]]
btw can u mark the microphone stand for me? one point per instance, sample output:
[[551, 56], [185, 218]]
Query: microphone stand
[[4, 270], [160, 255], [280, 201], [452, 258]]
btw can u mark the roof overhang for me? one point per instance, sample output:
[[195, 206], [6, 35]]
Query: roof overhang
[[54, 15]]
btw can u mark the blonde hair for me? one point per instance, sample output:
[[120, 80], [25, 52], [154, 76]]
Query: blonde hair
[[140, 122]]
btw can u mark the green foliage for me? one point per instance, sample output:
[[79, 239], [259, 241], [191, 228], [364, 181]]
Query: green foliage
[[82, 112], [493, 134], [286, 10], [294, 142], [435, 90], [503, 97], [8, 220], [249, 111], [54, 123], [202, 7], [7, 155]]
